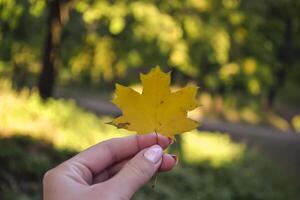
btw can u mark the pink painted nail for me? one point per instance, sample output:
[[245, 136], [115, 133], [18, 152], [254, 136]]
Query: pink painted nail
[[171, 141], [154, 153], [175, 158]]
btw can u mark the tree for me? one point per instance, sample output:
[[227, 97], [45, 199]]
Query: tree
[[226, 46], [56, 9]]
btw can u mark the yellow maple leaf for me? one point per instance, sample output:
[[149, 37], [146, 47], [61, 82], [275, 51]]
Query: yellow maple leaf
[[156, 109]]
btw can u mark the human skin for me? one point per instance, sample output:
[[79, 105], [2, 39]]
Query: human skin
[[112, 170]]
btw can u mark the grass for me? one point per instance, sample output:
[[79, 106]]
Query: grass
[[25, 160], [59, 121], [215, 148], [36, 135], [249, 178]]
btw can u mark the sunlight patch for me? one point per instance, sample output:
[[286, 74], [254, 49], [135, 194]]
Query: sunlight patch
[[215, 148]]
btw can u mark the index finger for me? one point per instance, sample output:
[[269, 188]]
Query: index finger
[[104, 154]]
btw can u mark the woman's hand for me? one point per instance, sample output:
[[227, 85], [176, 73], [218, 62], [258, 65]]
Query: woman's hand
[[113, 169]]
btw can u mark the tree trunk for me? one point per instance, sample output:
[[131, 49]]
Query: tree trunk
[[58, 15], [51, 50]]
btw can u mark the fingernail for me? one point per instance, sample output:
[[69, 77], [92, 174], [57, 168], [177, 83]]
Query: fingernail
[[175, 158], [154, 153]]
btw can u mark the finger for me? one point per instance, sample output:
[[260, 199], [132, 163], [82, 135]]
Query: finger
[[168, 162], [136, 172], [98, 157]]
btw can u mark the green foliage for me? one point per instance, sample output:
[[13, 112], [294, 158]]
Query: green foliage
[[25, 160], [296, 123], [58, 121], [224, 45], [252, 177], [20, 46]]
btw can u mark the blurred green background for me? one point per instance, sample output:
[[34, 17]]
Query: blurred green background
[[59, 56]]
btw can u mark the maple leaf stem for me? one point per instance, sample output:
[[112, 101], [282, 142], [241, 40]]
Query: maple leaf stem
[[157, 140], [155, 181], [156, 175]]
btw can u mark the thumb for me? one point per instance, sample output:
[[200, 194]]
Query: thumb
[[137, 172]]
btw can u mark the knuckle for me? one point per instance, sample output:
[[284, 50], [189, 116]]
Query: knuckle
[[107, 147]]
